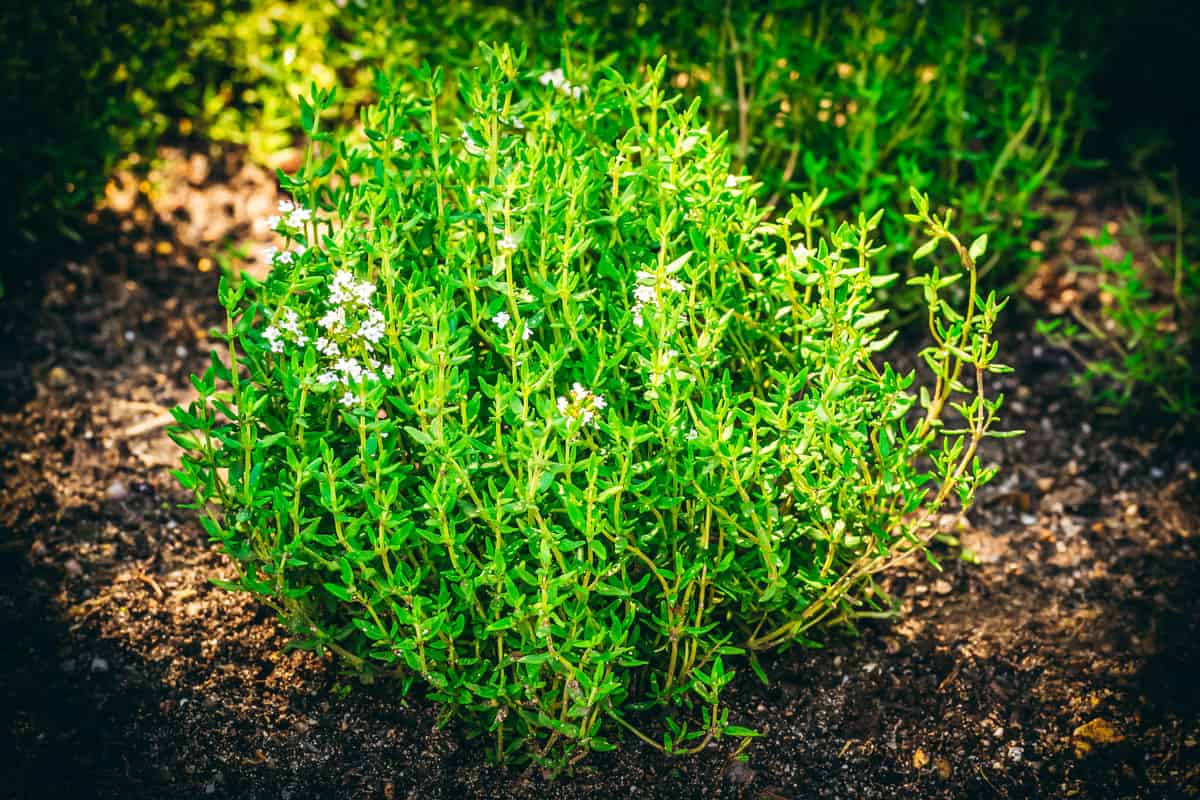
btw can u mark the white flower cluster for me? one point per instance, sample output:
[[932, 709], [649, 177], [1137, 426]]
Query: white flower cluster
[[350, 318], [582, 408], [286, 257], [558, 80], [289, 325], [649, 292], [292, 217], [350, 300]]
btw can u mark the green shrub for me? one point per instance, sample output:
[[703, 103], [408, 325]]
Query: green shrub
[[1137, 343], [538, 412]]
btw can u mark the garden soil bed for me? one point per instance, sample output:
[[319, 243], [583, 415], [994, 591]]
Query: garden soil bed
[[1057, 659]]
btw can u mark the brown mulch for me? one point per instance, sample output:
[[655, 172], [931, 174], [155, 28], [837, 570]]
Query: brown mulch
[[1055, 655]]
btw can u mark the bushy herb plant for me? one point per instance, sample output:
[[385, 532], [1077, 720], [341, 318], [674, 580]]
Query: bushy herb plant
[[539, 412]]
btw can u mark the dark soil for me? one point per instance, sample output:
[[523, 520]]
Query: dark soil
[[1062, 664]]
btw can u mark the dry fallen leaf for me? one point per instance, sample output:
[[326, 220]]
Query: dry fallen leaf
[[1097, 732]]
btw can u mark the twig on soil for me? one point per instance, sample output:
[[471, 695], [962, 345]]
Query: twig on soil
[[146, 579], [145, 426]]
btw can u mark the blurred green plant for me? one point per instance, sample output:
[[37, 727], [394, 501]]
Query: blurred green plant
[[975, 104], [1138, 345], [85, 83], [539, 412]]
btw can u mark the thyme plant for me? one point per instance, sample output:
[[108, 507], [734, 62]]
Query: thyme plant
[[537, 411], [1136, 344]]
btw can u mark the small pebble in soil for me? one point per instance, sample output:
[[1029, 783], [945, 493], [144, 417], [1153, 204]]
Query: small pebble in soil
[[58, 378], [99, 664], [130, 336], [1028, 519], [1016, 753], [740, 773], [116, 491], [73, 568]]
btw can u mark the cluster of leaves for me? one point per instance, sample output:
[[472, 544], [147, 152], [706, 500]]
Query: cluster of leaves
[[539, 412], [1138, 345], [979, 106]]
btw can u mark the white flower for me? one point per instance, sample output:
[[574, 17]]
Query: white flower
[[348, 399], [389, 372], [501, 319], [691, 435], [648, 292], [290, 324], [326, 378], [558, 80], [507, 243], [269, 254], [516, 123], [645, 294], [373, 329], [273, 337], [273, 223], [582, 406], [553, 78], [731, 182], [525, 334], [333, 319], [801, 253], [345, 289], [286, 206], [289, 55], [286, 257], [327, 347], [349, 367]]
